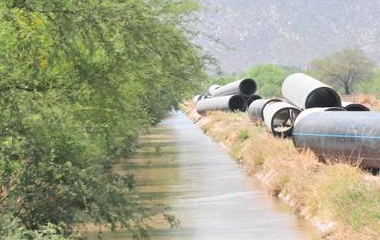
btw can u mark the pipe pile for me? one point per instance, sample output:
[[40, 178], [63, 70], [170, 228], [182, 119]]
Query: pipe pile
[[233, 97], [245, 87], [227, 103], [310, 112]]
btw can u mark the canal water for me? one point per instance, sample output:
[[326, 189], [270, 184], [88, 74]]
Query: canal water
[[209, 193]]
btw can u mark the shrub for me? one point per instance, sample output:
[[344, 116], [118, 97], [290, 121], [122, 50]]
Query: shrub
[[243, 134], [77, 87]]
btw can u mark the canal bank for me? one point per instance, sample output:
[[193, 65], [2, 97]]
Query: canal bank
[[208, 192], [341, 201]]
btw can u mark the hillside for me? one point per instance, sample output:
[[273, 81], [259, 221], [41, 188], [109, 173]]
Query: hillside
[[287, 32]]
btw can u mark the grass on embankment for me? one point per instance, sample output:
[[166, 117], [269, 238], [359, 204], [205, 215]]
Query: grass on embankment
[[342, 198]]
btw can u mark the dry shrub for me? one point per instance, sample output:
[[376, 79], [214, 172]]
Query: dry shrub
[[366, 99]]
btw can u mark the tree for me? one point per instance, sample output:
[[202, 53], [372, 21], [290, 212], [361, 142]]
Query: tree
[[344, 68], [79, 79], [269, 78]]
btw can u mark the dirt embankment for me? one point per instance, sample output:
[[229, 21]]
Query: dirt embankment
[[342, 201]]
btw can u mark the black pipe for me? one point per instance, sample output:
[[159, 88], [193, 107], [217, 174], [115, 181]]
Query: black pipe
[[355, 107], [226, 103], [246, 87], [306, 112], [349, 136]]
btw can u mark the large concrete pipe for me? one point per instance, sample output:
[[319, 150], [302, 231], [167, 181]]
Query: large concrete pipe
[[250, 100], [350, 136], [225, 103], [306, 92], [196, 98], [212, 89], [246, 87], [255, 109], [355, 107], [279, 118]]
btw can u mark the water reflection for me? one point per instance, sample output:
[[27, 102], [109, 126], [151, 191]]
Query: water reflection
[[208, 191]]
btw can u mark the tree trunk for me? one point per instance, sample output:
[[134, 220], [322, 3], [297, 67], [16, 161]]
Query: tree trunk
[[347, 89]]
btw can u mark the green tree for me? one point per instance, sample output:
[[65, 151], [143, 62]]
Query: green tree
[[79, 79], [345, 68], [370, 86], [269, 78]]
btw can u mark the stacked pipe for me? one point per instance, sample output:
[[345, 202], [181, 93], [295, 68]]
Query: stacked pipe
[[299, 92], [310, 112], [233, 97], [331, 128]]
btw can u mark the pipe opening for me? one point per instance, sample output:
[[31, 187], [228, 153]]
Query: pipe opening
[[356, 108], [283, 121], [252, 99], [269, 102], [248, 87], [323, 97], [335, 109], [237, 103]]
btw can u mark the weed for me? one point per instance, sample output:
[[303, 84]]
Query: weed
[[279, 184], [243, 135], [158, 149], [259, 160]]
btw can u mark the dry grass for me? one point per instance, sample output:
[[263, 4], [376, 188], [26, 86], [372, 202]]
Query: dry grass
[[337, 193], [366, 99]]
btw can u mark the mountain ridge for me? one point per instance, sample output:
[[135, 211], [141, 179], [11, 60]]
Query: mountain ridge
[[287, 32]]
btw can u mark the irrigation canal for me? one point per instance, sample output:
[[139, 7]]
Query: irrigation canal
[[209, 192]]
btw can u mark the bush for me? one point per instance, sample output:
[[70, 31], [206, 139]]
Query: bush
[[77, 87], [11, 229], [371, 86], [269, 79], [243, 134]]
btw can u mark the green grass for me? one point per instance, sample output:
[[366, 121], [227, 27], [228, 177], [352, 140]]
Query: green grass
[[243, 134], [351, 199]]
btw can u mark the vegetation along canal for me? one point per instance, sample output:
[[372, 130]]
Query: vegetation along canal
[[207, 190]]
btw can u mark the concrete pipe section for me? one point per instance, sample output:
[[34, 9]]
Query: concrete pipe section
[[355, 107], [212, 89], [305, 92], [348, 136], [246, 87], [250, 100], [196, 98], [280, 117], [255, 109], [226, 103]]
